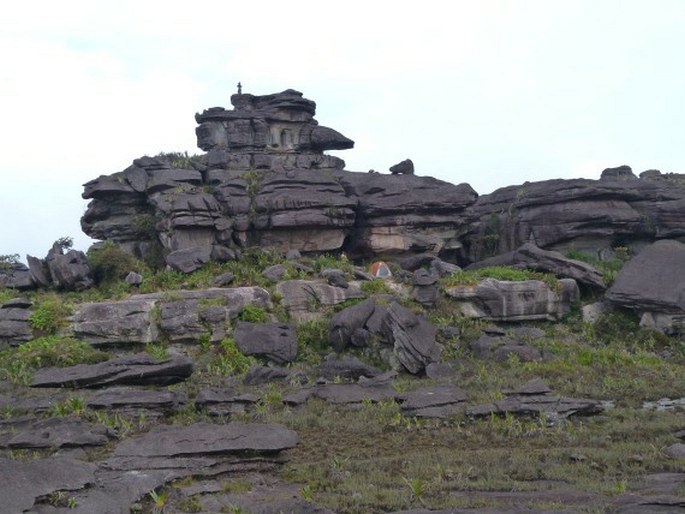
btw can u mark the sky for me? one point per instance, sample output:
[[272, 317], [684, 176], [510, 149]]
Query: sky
[[488, 92]]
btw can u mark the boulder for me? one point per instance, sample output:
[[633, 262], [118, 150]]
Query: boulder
[[39, 272], [406, 167], [527, 300], [344, 324], [346, 367], [69, 271], [646, 282], [15, 275], [273, 341], [188, 260], [258, 375], [139, 369], [412, 337]]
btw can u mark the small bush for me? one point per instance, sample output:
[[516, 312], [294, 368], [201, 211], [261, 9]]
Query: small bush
[[18, 364], [376, 286], [504, 273], [253, 314], [109, 263], [312, 340], [230, 360], [49, 315]]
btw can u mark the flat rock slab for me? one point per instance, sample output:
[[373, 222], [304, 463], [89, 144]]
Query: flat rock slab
[[433, 402], [537, 404], [131, 399], [21, 483], [60, 433], [138, 369], [223, 402], [354, 393], [207, 439]]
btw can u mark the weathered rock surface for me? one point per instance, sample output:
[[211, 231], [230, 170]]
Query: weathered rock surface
[[21, 483], [413, 338], [648, 284], [60, 433], [181, 316], [137, 401], [15, 276], [15, 327], [304, 297], [581, 214], [139, 369], [265, 181], [69, 271], [346, 367], [204, 439], [498, 300], [500, 349], [223, 402], [276, 342], [344, 324], [433, 402]]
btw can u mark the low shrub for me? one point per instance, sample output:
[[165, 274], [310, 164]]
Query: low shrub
[[49, 315]]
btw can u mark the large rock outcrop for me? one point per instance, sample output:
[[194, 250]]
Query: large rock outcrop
[[587, 215], [266, 181]]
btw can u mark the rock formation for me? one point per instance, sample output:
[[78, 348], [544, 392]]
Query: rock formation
[[266, 181], [593, 216]]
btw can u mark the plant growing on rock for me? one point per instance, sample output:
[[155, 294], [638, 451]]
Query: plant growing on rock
[[49, 315], [109, 263]]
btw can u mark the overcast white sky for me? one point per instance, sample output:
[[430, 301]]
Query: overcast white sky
[[488, 92]]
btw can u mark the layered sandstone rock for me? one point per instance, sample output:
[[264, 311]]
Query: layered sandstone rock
[[266, 181]]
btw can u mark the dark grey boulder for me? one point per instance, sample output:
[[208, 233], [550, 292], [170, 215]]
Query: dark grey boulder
[[258, 375], [500, 349], [274, 341], [647, 282], [346, 367], [275, 273], [123, 321], [343, 324], [60, 433], [406, 167], [39, 272], [335, 277], [139, 369], [221, 253], [224, 280], [623, 172], [440, 370], [69, 271], [188, 260], [133, 278], [302, 297], [22, 483], [224, 402], [412, 337], [15, 276], [204, 439]]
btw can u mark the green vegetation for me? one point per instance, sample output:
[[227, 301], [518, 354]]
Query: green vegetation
[[504, 273], [49, 314], [181, 159], [18, 364], [312, 340], [376, 286], [609, 268], [109, 263], [254, 314], [230, 360]]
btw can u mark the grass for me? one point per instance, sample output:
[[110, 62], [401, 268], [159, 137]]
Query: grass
[[18, 364], [504, 273]]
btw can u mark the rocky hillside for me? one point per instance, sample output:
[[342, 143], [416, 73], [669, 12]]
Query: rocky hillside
[[236, 344]]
